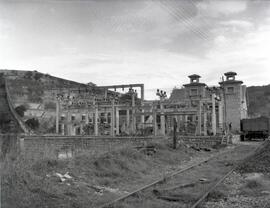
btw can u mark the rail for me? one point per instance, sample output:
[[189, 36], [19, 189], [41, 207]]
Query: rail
[[161, 180], [202, 198]]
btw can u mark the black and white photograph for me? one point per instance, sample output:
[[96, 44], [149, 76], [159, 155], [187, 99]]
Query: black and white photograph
[[134, 103]]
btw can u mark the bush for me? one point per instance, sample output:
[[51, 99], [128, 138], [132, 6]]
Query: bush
[[20, 110], [33, 123]]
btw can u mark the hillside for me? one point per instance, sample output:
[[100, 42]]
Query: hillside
[[258, 100], [33, 96]]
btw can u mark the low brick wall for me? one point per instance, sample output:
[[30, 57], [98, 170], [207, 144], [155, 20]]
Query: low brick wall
[[43, 146]]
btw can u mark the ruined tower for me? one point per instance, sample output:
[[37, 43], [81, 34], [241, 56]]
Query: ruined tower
[[234, 97], [194, 89]]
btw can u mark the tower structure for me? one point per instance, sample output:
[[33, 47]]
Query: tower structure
[[234, 97], [195, 89]]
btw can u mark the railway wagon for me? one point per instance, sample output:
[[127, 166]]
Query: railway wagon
[[255, 128]]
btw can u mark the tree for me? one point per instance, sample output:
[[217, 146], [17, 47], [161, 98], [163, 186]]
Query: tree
[[20, 110]]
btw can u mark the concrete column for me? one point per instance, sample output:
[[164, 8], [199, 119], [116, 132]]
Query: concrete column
[[127, 120], [162, 119], [154, 121], [105, 93], [200, 119], [96, 121], [133, 115], [106, 116], [63, 129], [68, 123], [185, 121], [112, 120], [214, 125], [205, 123], [57, 116], [117, 120], [220, 115], [87, 118], [142, 100]]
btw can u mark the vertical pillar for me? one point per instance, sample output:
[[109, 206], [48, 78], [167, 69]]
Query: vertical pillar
[[162, 119], [57, 116], [105, 93], [117, 120], [68, 123], [63, 129], [220, 115], [154, 121], [87, 118], [185, 122], [200, 118], [214, 125], [205, 122], [142, 100], [112, 120], [96, 121], [133, 114], [127, 120], [106, 116]]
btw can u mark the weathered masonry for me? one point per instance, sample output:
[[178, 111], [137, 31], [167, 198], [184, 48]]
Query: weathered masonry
[[234, 98], [197, 109]]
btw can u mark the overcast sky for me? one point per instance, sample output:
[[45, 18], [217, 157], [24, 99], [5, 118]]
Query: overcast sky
[[155, 42]]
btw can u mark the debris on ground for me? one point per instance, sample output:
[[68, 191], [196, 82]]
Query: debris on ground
[[64, 177]]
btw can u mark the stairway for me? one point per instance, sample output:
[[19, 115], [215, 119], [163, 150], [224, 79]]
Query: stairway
[[8, 124]]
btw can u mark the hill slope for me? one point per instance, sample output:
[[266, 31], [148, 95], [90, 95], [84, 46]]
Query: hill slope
[[258, 100]]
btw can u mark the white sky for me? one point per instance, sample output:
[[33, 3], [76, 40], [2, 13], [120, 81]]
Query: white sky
[[155, 42]]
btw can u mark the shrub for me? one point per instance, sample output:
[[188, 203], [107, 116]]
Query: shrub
[[33, 123], [20, 110]]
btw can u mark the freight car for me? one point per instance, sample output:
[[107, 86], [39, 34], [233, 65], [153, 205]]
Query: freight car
[[255, 128]]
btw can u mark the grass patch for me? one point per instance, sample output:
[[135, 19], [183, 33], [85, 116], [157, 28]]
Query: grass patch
[[32, 181]]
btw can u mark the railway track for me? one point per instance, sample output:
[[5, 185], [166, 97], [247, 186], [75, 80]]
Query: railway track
[[187, 187]]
